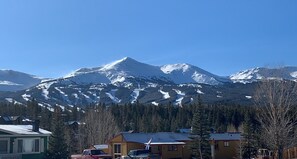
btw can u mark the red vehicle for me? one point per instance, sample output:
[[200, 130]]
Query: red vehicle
[[92, 154]]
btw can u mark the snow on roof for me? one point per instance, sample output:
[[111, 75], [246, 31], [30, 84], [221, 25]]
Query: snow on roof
[[225, 136], [168, 138], [157, 138], [101, 147], [22, 130]]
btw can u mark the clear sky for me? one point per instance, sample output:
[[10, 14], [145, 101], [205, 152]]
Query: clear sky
[[51, 38]]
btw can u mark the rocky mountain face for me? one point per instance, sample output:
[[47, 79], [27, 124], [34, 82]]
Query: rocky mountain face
[[129, 81]]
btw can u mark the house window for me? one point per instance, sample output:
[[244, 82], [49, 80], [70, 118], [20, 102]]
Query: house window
[[226, 143], [117, 150], [28, 145], [4, 145], [172, 147]]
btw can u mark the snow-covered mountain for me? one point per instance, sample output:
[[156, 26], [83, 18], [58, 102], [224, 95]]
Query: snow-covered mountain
[[129, 81], [256, 74], [128, 70], [14, 81], [185, 73], [123, 70]]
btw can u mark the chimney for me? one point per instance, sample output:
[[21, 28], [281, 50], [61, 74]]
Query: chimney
[[35, 126]]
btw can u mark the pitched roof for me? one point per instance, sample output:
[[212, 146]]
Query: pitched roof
[[225, 136], [173, 138], [22, 130], [156, 138]]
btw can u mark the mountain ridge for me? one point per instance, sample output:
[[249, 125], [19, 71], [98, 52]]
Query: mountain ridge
[[129, 81]]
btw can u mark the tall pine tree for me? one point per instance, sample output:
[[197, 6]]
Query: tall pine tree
[[57, 142], [200, 134], [250, 144]]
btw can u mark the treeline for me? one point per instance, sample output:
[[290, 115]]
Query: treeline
[[150, 118], [139, 117], [96, 124]]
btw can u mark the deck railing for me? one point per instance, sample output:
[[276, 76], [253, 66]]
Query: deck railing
[[10, 156]]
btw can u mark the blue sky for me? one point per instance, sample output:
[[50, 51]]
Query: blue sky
[[51, 38]]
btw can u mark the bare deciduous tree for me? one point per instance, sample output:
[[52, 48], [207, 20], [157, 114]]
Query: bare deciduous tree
[[99, 126], [275, 100]]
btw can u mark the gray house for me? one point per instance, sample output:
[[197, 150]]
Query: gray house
[[23, 142]]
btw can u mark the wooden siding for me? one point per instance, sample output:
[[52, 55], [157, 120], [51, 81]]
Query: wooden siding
[[226, 152]]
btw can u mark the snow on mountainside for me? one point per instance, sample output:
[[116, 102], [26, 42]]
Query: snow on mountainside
[[256, 74], [117, 72], [14, 81], [128, 69], [185, 73], [129, 81]]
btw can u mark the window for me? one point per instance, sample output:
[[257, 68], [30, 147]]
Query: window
[[4, 146], [117, 150], [28, 145], [226, 143], [172, 147]]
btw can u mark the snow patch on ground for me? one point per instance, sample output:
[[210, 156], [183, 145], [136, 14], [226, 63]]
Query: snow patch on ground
[[294, 74], [44, 87], [248, 97], [96, 87], [60, 91], [63, 94], [118, 79], [165, 94], [10, 100], [9, 83], [75, 95], [154, 85], [135, 95], [199, 91], [179, 98], [26, 97], [111, 95], [86, 97], [155, 103]]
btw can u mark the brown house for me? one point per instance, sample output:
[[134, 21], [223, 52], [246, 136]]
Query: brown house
[[291, 153], [225, 145], [171, 145], [168, 145]]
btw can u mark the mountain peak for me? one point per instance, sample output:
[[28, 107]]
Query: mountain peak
[[259, 73], [11, 80], [115, 64]]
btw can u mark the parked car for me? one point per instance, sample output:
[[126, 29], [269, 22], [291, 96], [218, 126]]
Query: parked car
[[92, 154], [141, 154]]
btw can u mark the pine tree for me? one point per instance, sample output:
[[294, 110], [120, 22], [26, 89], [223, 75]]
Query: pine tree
[[33, 109], [57, 142], [200, 134], [250, 143]]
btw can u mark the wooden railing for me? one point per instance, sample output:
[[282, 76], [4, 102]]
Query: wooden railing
[[10, 156]]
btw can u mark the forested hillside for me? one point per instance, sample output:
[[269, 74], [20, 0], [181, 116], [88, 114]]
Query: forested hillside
[[110, 120]]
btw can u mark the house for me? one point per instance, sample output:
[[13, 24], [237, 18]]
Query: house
[[23, 141], [290, 153], [174, 145], [16, 120], [168, 145], [225, 145]]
